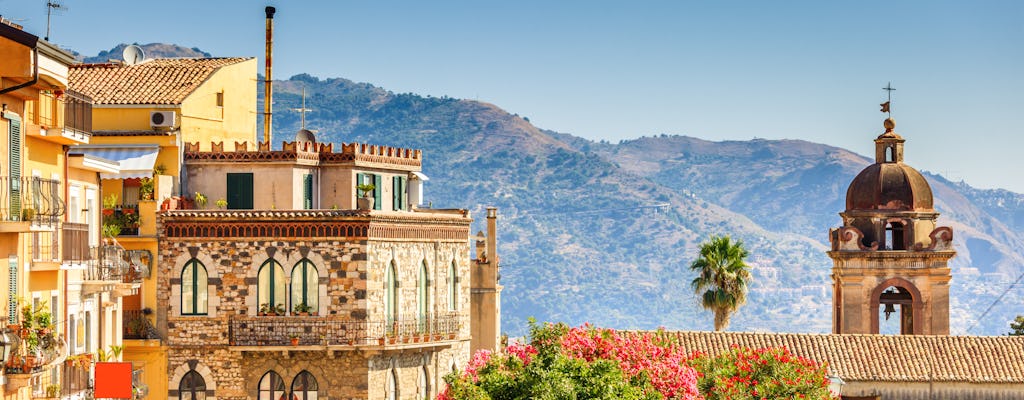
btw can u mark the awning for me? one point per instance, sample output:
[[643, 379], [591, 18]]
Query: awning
[[420, 176], [136, 160]]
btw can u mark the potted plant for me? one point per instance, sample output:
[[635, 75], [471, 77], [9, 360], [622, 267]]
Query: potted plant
[[115, 351], [130, 219], [111, 227], [221, 204], [109, 204], [159, 169], [43, 320], [280, 310], [365, 199], [27, 214], [52, 390], [200, 200], [302, 309], [146, 189], [264, 309], [295, 339]]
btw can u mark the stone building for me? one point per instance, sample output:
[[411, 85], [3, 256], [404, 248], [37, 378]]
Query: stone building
[[288, 287], [889, 252]]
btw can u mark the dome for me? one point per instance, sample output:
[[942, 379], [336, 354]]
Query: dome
[[889, 186], [305, 135]]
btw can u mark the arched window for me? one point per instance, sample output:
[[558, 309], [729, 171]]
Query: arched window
[[422, 297], [453, 288], [392, 388], [304, 387], [271, 290], [192, 387], [423, 386], [271, 386], [193, 288], [894, 236], [391, 293], [890, 154], [304, 287]]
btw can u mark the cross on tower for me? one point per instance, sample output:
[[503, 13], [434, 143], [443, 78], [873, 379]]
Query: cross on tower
[[886, 106], [302, 111]]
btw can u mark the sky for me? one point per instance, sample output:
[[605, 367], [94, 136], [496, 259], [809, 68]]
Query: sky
[[618, 70]]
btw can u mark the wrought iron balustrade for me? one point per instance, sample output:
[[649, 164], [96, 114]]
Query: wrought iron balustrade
[[111, 263], [31, 198], [75, 239], [136, 325], [77, 112], [313, 331]]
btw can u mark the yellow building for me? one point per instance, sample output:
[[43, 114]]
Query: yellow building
[[60, 293], [141, 115]]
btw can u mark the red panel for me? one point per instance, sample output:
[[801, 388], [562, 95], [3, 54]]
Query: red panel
[[113, 380]]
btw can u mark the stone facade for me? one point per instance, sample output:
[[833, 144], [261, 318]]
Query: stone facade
[[353, 345]]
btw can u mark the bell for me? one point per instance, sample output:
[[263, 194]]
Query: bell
[[889, 310]]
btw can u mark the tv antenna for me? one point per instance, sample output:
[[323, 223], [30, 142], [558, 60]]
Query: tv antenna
[[133, 55], [302, 111], [51, 7]]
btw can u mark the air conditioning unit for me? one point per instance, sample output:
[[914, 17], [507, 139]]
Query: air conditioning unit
[[159, 119]]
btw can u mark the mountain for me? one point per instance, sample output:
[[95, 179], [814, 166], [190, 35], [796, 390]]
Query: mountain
[[603, 232], [152, 50]]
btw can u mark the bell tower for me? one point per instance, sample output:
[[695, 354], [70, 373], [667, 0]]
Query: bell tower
[[888, 253]]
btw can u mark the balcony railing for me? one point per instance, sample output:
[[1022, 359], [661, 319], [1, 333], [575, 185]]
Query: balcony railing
[[31, 199], [77, 112], [319, 331], [74, 379], [124, 216], [45, 246], [75, 237], [136, 325], [111, 263]]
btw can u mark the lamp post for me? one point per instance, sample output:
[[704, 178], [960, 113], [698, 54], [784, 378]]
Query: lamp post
[[835, 386]]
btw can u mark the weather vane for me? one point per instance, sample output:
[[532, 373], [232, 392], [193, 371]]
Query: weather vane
[[885, 106]]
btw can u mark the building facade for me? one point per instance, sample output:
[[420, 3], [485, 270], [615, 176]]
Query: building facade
[[286, 284]]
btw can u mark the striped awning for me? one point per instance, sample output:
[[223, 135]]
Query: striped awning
[[136, 160]]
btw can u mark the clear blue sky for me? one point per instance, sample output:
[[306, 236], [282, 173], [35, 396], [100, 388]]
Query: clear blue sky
[[617, 70]]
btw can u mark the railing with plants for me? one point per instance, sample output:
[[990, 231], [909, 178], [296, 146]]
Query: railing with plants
[[137, 325], [31, 198], [75, 239], [36, 342], [305, 331]]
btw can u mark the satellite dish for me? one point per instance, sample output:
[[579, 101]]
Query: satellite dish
[[133, 55]]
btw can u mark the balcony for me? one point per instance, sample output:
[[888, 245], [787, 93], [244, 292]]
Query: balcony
[[75, 239], [31, 199], [111, 269], [136, 325], [33, 364], [319, 332], [61, 117]]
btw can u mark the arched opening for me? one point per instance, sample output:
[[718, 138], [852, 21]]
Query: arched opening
[[392, 384], [890, 154], [192, 387], [304, 387], [271, 386], [422, 297], [194, 288], [270, 290], [305, 281], [896, 311], [894, 236], [423, 386], [391, 296], [453, 292]]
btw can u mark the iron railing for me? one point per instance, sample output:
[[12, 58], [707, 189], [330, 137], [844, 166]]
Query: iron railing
[[77, 112], [74, 379], [311, 331], [136, 325], [30, 198], [76, 242], [45, 246], [111, 263], [127, 217]]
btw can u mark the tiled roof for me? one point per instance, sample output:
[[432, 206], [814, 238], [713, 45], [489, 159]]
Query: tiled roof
[[892, 358], [157, 81]]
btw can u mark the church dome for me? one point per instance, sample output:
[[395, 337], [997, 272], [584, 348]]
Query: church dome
[[889, 186], [305, 135]]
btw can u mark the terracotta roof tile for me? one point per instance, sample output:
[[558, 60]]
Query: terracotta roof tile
[[975, 359], [157, 81]]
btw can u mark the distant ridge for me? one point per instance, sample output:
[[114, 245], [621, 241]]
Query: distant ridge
[[153, 50]]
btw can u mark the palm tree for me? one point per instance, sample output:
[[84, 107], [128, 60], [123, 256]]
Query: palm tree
[[723, 276]]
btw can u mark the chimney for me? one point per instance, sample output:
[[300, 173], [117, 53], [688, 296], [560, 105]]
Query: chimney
[[492, 236], [268, 85]]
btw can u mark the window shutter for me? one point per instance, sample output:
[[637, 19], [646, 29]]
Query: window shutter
[[240, 191], [360, 179], [402, 193], [378, 189], [307, 191], [12, 304], [396, 201], [14, 172]]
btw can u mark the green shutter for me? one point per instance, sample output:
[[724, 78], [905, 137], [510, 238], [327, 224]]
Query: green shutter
[[15, 169], [360, 179], [12, 294], [240, 191], [307, 191], [396, 203], [378, 189], [403, 192]]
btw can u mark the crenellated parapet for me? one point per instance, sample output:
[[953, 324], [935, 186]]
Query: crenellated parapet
[[308, 152]]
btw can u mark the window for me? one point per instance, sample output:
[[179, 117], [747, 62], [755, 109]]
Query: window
[[271, 290], [304, 285], [398, 198], [194, 291], [307, 191], [73, 333], [192, 387], [423, 386], [80, 334], [220, 99], [271, 386], [88, 332], [304, 387], [240, 189], [371, 179], [453, 288], [392, 388], [894, 236], [422, 297], [889, 157], [391, 293]]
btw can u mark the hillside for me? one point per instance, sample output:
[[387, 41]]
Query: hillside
[[152, 50], [602, 232]]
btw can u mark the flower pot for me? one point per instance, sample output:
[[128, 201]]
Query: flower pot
[[364, 203], [108, 211], [295, 341]]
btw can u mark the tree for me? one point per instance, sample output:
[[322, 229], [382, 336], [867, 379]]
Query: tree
[[722, 275], [1017, 326]]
